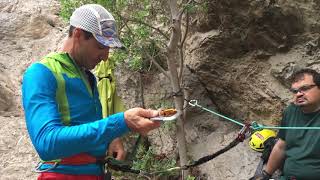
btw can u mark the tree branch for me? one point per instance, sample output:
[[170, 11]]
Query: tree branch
[[158, 65], [184, 37], [187, 30], [146, 24], [181, 48], [182, 11], [148, 55]]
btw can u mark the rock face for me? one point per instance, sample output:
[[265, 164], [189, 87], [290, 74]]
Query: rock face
[[239, 56], [6, 92], [29, 29], [243, 60], [239, 59]]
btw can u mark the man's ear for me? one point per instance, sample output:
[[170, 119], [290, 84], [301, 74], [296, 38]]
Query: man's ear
[[316, 80], [76, 36], [77, 33]]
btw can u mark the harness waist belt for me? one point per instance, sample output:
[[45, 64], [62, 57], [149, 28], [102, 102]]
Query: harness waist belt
[[78, 159]]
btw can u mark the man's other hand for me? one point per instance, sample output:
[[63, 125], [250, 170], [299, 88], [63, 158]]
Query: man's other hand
[[116, 149], [263, 176]]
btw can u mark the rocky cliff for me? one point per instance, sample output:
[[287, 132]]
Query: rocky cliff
[[239, 56]]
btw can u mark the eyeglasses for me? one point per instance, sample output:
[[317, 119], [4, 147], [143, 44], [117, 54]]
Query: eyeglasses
[[302, 89]]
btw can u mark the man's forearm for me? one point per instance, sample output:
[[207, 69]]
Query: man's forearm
[[277, 157]]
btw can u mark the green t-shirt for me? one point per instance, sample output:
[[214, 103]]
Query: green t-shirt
[[302, 146]]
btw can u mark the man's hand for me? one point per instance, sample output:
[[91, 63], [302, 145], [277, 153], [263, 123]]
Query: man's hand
[[116, 149], [138, 120], [263, 176]]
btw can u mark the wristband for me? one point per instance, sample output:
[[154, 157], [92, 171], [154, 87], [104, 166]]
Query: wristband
[[266, 174]]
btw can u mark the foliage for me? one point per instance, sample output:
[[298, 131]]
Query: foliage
[[135, 20], [191, 178], [164, 104], [68, 6], [169, 126], [144, 28], [142, 25], [150, 162]]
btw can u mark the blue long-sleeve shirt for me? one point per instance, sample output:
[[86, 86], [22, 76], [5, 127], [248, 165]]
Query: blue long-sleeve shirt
[[62, 128]]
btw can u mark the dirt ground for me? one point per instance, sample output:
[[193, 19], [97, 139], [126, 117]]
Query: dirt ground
[[25, 35], [16, 152]]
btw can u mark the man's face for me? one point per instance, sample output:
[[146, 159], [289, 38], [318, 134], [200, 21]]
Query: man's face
[[90, 52], [306, 93]]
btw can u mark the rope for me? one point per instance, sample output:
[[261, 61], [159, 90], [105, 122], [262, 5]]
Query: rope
[[120, 166], [285, 127], [254, 125], [195, 103]]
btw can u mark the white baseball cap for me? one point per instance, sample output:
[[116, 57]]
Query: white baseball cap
[[95, 19]]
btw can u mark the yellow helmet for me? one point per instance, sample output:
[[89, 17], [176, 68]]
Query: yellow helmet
[[259, 137]]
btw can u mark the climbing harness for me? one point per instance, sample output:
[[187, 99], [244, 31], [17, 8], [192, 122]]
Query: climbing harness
[[82, 159], [79, 159]]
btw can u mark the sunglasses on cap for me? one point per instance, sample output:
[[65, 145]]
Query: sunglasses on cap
[[108, 35]]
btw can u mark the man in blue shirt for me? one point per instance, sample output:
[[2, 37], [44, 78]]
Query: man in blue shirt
[[61, 102]]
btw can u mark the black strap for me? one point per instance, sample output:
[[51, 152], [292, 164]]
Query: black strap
[[212, 156], [268, 146], [120, 166], [117, 165], [126, 167]]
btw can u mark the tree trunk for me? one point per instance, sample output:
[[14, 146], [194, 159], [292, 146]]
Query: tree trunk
[[172, 50]]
